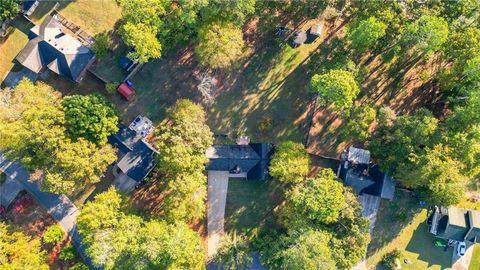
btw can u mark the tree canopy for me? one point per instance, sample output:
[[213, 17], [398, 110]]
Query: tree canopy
[[220, 45], [427, 34], [19, 251], [89, 117], [366, 34], [290, 163], [117, 240], [337, 87], [9, 9]]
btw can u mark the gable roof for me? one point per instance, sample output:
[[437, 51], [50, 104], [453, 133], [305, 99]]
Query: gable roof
[[252, 159], [50, 47], [139, 157]]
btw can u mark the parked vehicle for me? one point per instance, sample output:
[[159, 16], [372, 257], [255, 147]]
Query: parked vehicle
[[439, 243], [461, 248]]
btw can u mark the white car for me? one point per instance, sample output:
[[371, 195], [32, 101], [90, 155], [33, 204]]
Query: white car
[[461, 249]]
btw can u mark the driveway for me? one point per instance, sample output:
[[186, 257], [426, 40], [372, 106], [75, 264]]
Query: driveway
[[370, 206], [463, 262], [58, 206], [217, 198]]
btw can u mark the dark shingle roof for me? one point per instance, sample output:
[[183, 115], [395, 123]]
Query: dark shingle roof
[[252, 159]]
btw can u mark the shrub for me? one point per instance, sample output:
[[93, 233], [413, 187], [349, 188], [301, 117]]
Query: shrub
[[53, 235], [102, 44], [67, 253], [111, 87], [391, 260], [265, 124]]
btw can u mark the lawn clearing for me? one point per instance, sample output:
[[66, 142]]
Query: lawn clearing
[[250, 204], [401, 225], [475, 262], [13, 44], [93, 16]]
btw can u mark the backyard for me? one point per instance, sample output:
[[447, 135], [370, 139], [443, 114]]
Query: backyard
[[401, 225], [475, 262], [250, 205]]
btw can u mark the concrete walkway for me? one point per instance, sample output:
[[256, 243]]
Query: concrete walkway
[[217, 199], [58, 206]]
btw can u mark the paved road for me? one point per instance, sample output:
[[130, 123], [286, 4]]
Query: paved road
[[217, 198], [58, 206]]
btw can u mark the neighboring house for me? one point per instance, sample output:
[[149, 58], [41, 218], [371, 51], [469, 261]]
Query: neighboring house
[[364, 177], [242, 160], [455, 224], [137, 158], [29, 6], [51, 47]]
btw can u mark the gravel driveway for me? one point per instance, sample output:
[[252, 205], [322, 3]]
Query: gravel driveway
[[217, 198]]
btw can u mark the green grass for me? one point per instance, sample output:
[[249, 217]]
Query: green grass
[[401, 225], [475, 262], [93, 16], [13, 44], [249, 204], [108, 67]]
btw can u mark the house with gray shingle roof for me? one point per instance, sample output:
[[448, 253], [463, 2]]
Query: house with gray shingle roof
[[455, 224], [52, 48]]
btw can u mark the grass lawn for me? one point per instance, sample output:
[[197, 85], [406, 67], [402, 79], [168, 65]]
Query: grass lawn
[[475, 262], [93, 16], [401, 225], [13, 44], [249, 204]]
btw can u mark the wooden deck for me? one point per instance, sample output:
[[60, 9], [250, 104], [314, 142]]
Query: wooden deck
[[74, 29]]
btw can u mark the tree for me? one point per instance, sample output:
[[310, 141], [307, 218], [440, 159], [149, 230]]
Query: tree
[[315, 201], [441, 177], [117, 240], [185, 197], [31, 123], [9, 9], [427, 34], [290, 164], [336, 86], [183, 140], [220, 45], [310, 250], [366, 34], [77, 163], [358, 122], [53, 235], [397, 147], [103, 43], [89, 117], [463, 45], [143, 39], [19, 251], [228, 11], [233, 253]]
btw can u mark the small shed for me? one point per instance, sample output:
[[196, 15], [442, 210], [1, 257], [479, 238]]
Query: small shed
[[316, 30], [299, 38], [125, 91]]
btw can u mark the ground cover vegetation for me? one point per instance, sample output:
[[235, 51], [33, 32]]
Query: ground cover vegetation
[[35, 124]]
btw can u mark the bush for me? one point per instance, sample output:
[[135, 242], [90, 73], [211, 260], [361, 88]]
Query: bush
[[265, 124], [102, 44], [78, 266], [53, 235], [391, 260], [67, 253], [111, 87]]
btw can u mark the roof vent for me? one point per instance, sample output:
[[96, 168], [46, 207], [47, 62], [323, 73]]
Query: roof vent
[[243, 140]]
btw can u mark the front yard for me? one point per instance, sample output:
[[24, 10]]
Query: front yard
[[401, 225]]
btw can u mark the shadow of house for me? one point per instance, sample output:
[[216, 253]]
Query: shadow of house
[[455, 224], [51, 48], [364, 177], [137, 158]]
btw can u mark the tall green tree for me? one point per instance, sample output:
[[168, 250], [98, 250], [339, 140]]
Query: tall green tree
[[89, 117], [337, 87], [228, 11], [233, 253], [220, 45], [427, 34], [290, 163], [366, 34], [19, 251], [317, 200], [358, 122], [118, 240]]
